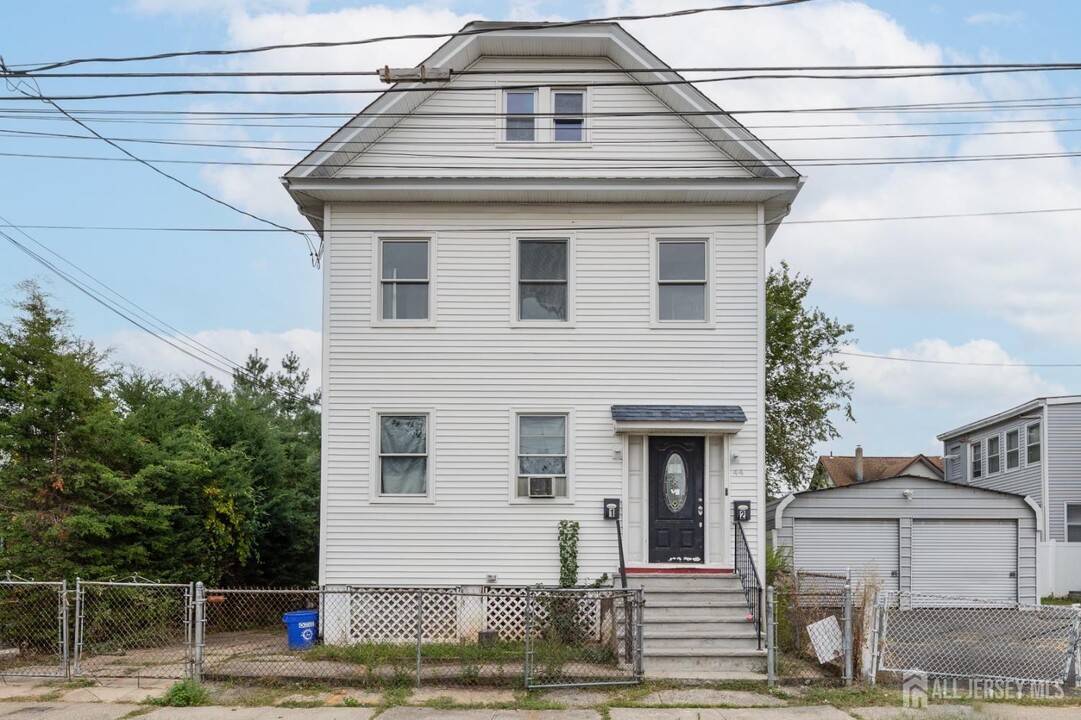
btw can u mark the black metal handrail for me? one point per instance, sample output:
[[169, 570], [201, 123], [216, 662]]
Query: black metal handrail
[[748, 576]]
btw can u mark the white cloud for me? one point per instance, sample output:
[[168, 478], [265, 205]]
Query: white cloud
[[140, 350], [994, 18], [196, 7], [937, 389]]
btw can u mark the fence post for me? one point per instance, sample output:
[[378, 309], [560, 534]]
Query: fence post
[[849, 664], [420, 630], [771, 655], [527, 660], [78, 646], [639, 650], [65, 658], [881, 598], [198, 633]]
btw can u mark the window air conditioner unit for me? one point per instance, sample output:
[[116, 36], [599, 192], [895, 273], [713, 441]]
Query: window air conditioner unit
[[542, 487]]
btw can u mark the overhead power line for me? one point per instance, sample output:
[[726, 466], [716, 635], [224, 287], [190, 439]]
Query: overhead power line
[[20, 87], [414, 36], [353, 231], [789, 72], [138, 316], [961, 363], [608, 164]]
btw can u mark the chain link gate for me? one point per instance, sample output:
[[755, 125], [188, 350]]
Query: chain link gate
[[133, 629], [33, 628], [951, 637], [580, 638]]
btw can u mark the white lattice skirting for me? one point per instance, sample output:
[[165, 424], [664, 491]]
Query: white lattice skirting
[[391, 615]]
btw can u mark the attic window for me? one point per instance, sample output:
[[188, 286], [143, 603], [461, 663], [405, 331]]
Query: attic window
[[544, 115]]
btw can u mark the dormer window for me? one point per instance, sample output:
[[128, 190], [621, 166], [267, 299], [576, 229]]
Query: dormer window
[[544, 115]]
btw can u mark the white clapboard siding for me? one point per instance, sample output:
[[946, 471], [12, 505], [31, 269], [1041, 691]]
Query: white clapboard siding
[[473, 367], [661, 145]]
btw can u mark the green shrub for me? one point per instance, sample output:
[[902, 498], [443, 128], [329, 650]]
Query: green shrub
[[186, 693]]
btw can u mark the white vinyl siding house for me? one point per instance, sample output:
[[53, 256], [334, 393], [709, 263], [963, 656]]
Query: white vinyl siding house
[[486, 311], [1041, 448]]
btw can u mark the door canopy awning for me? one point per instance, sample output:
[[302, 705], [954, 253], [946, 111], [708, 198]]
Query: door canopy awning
[[677, 419]]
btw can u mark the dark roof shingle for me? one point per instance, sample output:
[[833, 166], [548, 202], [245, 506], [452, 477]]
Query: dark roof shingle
[[679, 413]]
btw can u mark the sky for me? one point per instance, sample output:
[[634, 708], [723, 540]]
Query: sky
[[996, 290]]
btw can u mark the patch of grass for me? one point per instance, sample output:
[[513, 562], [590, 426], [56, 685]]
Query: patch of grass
[[186, 693], [146, 709], [847, 697], [1057, 600], [349, 701]]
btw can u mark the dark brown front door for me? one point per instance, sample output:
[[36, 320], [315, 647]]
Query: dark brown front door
[[676, 500]]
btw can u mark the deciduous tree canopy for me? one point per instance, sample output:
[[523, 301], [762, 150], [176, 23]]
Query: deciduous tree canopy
[[107, 471], [805, 380]]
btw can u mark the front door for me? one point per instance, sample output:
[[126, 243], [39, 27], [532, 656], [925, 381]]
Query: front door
[[676, 500]]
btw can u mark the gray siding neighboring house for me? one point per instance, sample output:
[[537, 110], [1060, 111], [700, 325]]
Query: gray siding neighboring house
[[916, 534], [1046, 466]]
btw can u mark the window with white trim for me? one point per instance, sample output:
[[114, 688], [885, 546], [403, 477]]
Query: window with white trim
[[1032, 444], [403, 455], [544, 115], [682, 279], [1073, 522], [1013, 449], [994, 455], [541, 451], [521, 109], [977, 460], [568, 107], [404, 278], [542, 279]]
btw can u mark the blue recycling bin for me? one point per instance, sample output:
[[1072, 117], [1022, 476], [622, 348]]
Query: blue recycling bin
[[301, 626]]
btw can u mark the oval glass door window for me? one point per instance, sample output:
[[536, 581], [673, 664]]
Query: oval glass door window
[[675, 483]]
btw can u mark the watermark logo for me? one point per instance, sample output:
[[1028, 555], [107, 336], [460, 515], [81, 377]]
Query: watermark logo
[[914, 690], [917, 690]]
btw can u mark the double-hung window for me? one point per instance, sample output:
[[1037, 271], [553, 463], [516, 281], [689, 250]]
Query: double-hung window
[[403, 455], [521, 109], [682, 280], [568, 107], [1032, 444], [1013, 450], [542, 279], [542, 452], [994, 455], [977, 460], [404, 279], [544, 115], [1073, 522]]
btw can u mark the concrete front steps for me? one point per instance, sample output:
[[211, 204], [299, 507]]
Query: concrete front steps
[[695, 627]]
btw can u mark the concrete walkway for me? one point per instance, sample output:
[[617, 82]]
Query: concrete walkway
[[117, 711]]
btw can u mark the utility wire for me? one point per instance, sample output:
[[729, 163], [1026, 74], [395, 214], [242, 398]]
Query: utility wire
[[415, 36], [356, 231], [607, 164], [141, 318], [280, 145], [962, 363], [36, 94]]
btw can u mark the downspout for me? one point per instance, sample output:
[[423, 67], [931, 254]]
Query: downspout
[[1045, 462]]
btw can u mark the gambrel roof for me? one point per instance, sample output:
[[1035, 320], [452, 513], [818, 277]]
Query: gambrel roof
[[760, 175]]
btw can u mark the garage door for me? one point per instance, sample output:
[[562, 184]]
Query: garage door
[[974, 559], [869, 547]]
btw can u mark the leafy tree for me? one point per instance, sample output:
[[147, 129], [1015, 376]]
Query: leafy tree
[[67, 504], [804, 380]]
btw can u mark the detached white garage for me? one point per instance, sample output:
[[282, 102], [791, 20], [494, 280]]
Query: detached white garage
[[916, 534]]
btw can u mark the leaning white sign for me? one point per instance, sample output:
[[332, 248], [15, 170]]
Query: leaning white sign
[[826, 638]]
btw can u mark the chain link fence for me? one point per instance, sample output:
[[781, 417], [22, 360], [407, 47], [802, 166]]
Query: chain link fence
[[943, 636], [377, 636], [33, 628], [811, 632], [133, 629], [369, 636]]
